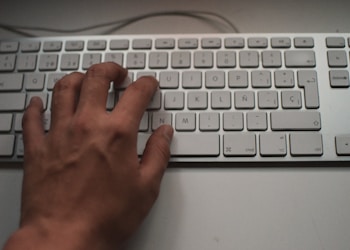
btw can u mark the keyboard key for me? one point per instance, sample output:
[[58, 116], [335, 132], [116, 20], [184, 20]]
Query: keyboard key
[[136, 60], [256, 121], [48, 62], [306, 77], [161, 118], [119, 44], [53, 78], [300, 58], [5, 122], [203, 59], [70, 61], [236, 43], [335, 42], [90, 59], [158, 60], [185, 121], [197, 100], [248, 59], [211, 43], [76, 45], [174, 100], [284, 79], [342, 143], [195, 145], [26, 62], [114, 57], [238, 79], [295, 120], [20, 146], [10, 46], [7, 143], [268, 99], [51, 46], [167, 43], [226, 59], [42, 95], [233, 121], [311, 96], [261, 79], [306, 144], [291, 99], [12, 101], [180, 60], [281, 42], [244, 99], [273, 144], [339, 78], [304, 42], [18, 122], [257, 42], [7, 62], [242, 144], [337, 59], [142, 44], [146, 73], [169, 80], [191, 80], [96, 45], [30, 46], [188, 43], [11, 82], [220, 99], [271, 59], [209, 121], [215, 79]]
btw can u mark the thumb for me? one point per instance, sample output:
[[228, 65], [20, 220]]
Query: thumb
[[156, 154]]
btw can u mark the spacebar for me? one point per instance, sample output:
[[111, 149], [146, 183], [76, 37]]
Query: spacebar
[[188, 144]]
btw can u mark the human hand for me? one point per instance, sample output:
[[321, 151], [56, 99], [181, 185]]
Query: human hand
[[84, 186]]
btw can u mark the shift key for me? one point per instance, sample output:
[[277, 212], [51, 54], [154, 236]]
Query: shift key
[[296, 120]]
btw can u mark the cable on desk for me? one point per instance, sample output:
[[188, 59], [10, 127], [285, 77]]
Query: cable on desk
[[118, 24]]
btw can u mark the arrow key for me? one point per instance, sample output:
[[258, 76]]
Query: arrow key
[[342, 144]]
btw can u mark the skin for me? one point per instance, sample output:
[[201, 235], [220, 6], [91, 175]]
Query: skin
[[84, 186]]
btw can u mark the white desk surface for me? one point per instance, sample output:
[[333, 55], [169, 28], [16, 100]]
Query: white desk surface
[[214, 208]]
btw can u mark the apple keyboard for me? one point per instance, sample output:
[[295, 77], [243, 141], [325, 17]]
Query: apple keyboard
[[229, 97]]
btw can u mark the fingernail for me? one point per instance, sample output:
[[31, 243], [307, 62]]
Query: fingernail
[[168, 133]]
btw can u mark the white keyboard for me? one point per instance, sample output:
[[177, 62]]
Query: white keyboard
[[229, 97]]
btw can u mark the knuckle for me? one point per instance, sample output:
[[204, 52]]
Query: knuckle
[[68, 82], [81, 125], [121, 129], [97, 70]]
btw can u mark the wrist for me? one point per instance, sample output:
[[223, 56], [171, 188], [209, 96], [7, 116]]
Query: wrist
[[55, 236]]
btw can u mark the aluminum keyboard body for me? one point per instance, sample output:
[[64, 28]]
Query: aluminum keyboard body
[[229, 97]]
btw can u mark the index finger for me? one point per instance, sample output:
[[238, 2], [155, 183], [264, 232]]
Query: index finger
[[135, 100]]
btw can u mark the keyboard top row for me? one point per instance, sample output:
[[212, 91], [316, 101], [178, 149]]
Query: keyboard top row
[[168, 43]]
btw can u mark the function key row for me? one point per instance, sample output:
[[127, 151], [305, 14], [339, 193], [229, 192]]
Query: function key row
[[168, 43]]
